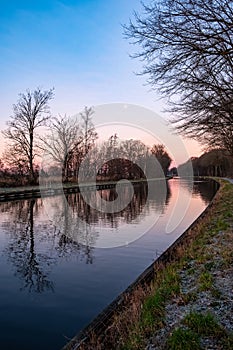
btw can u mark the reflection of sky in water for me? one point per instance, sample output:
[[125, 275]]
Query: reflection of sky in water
[[107, 225], [53, 284]]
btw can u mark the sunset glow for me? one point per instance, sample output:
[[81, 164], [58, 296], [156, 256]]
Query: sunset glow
[[79, 49]]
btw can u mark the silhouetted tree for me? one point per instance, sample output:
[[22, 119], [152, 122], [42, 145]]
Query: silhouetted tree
[[88, 130], [187, 47], [61, 142], [17, 163], [212, 163], [162, 156], [81, 150], [30, 112]]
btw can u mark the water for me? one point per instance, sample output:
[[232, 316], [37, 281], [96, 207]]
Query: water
[[54, 277]]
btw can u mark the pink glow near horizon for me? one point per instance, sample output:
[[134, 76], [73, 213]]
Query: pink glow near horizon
[[138, 123]]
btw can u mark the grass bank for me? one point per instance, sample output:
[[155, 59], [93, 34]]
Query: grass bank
[[188, 304]]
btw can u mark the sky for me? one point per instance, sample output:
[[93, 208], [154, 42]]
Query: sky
[[77, 47]]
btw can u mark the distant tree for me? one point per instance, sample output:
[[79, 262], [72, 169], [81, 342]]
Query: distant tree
[[112, 146], [124, 158], [162, 156], [2, 166], [138, 153], [82, 152], [187, 47], [174, 171], [135, 149], [184, 168], [212, 163], [60, 143], [131, 159], [30, 112], [89, 133], [17, 163]]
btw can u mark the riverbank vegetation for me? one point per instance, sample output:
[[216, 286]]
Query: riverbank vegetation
[[216, 162], [188, 304], [68, 148], [74, 153]]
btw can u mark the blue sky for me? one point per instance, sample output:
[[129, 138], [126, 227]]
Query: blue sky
[[77, 47]]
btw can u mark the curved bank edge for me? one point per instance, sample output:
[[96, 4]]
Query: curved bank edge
[[104, 319]]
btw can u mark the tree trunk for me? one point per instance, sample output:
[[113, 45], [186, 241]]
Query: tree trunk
[[31, 168], [65, 169]]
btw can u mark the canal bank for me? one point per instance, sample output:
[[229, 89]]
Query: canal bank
[[53, 189], [182, 301]]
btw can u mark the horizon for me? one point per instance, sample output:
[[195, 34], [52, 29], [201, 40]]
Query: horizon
[[80, 50]]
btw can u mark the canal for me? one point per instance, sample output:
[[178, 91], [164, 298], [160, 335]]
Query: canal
[[62, 261]]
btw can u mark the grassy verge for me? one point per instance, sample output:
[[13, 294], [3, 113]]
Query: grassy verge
[[180, 286]]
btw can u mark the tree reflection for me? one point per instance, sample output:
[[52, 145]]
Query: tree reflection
[[200, 188], [73, 236], [30, 266], [36, 243], [141, 202], [205, 189]]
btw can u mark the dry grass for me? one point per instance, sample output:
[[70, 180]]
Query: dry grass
[[144, 310]]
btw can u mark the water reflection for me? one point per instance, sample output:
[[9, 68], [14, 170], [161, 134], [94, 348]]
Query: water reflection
[[201, 188], [70, 282], [141, 201], [204, 188], [75, 236], [35, 244], [30, 266], [84, 225]]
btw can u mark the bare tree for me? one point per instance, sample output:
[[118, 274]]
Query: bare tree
[[223, 138], [212, 163], [162, 156], [89, 136], [88, 129], [187, 47], [61, 142], [17, 163], [69, 142], [130, 159], [30, 112]]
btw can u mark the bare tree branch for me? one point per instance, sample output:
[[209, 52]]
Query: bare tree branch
[[30, 112], [60, 143], [187, 50]]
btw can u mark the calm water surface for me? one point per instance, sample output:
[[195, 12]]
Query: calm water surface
[[51, 285]]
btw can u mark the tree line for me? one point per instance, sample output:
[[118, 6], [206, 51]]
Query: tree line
[[216, 162], [115, 159], [69, 143]]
